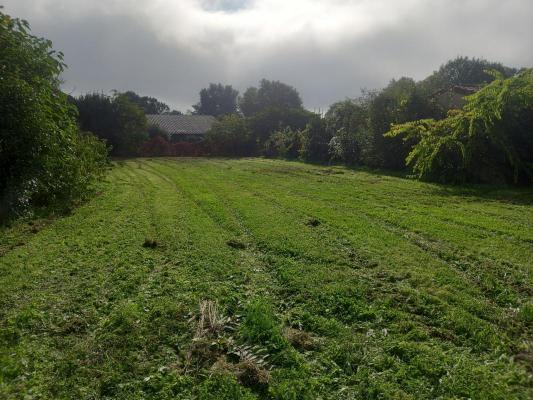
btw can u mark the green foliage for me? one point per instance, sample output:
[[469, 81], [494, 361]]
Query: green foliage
[[230, 137], [465, 71], [261, 326], [264, 123], [270, 94], [217, 100], [489, 140], [44, 160], [223, 387], [284, 143], [150, 105], [401, 101], [459, 73], [347, 121], [315, 139], [115, 119]]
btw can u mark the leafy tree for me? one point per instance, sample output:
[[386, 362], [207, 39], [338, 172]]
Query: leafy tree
[[347, 122], [249, 102], [459, 77], [465, 71], [399, 102], [270, 120], [489, 140], [44, 159], [150, 105], [121, 123], [230, 137], [315, 139], [217, 100], [270, 94]]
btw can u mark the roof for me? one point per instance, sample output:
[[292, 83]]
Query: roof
[[182, 124]]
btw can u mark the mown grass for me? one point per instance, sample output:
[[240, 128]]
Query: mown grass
[[245, 279]]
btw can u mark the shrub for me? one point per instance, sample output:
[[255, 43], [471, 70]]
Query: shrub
[[115, 119], [489, 140], [284, 143], [274, 118], [44, 159], [230, 137]]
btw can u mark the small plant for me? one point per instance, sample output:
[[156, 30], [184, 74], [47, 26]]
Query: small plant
[[208, 343], [150, 243], [260, 326], [211, 322]]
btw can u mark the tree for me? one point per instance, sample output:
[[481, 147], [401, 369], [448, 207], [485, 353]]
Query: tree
[[150, 105], [270, 94], [44, 159], [399, 102], [230, 137], [117, 120], [272, 119], [465, 71], [217, 100], [347, 122], [458, 77], [489, 140], [315, 140]]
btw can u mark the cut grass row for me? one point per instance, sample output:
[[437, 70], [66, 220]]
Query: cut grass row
[[400, 290]]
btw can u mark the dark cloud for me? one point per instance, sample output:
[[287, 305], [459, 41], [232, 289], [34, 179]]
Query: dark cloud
[[329, 50]]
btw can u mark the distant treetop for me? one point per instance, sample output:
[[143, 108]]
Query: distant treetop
[[269, 94]]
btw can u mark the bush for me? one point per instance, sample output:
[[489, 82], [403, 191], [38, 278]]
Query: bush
[[272, 119], [115, 119], [489, 140], [230, 137], [284, 143], [44, 159]]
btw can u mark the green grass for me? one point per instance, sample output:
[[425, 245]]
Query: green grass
[[252, 278]]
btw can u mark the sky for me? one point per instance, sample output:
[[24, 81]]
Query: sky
[[328, 49]]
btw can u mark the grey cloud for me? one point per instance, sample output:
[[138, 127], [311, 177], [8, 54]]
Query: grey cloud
[[119, 50]]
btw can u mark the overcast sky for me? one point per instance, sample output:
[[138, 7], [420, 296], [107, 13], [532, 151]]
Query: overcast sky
[[327, 49]]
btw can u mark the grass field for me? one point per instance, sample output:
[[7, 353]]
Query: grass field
[[252, 278]]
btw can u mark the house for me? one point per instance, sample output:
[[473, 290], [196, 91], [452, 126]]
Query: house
[[453, 97], [182, 127]]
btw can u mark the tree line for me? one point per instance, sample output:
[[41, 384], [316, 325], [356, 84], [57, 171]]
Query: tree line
[[469, 121]]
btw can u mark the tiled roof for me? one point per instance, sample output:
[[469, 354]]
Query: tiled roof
[[182, 124]]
